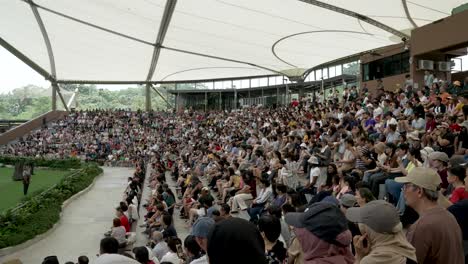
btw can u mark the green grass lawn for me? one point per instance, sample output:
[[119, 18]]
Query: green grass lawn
[[11, 192]]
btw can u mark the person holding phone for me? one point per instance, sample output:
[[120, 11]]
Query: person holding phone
[[382, 239]]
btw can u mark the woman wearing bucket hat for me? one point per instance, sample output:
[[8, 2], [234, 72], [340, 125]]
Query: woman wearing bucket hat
[[382, 239], [323, 233]]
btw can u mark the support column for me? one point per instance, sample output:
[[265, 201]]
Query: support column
[[177, 102], [277, 96], [220, 101], [301, 92], [148, 97], [206, 101], [54, 97], [235, 99]]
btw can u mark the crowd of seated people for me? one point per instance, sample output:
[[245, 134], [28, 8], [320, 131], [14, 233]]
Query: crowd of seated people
[[387, 167]]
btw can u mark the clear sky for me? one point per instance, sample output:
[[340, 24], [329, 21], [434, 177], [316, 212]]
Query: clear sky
[[14, 73]]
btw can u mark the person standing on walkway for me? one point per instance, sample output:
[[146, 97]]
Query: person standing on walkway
[[26, 179]]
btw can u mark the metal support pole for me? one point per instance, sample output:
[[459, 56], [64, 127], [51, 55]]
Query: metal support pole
[[235, 99], [220, 101], [177, 102], [206, 100], [54, 97], [323, 90], [277, 96], [57, 91], [148, 97]]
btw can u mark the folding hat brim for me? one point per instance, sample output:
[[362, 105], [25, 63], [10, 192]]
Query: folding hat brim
[[402, 179]]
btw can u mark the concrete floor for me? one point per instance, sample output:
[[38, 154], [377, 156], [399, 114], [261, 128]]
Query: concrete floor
[[83, 222]]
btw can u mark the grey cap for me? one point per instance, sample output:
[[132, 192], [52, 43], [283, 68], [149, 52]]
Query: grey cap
[[348, 200], [379, 215], [438, 155], [456, 160], [202, 227]]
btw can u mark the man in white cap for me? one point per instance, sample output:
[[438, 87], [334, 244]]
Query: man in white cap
[[436, 235]]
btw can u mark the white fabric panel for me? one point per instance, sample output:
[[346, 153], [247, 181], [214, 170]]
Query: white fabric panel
[[195, 67], [85, 53], [136, 18], [242, 30], [19, 28], [246, 30]]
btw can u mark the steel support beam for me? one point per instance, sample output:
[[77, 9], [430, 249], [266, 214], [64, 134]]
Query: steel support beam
[[148, 97], [220, 101], [72, 98], [358, 16], [160, 95], [57, 91], [407, 13], [235, 99], [18, 54], [54, 96], [163, 27]]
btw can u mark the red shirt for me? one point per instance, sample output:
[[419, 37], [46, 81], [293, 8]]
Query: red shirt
[[125, 223], [455, 127], [430, 125], [459, 194], [295, 103]]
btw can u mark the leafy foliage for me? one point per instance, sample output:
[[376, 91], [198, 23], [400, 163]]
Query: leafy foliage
[[31, 101], [69, 163], [40, 212]]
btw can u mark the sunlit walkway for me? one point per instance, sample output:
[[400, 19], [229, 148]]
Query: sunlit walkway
[[83, 222]]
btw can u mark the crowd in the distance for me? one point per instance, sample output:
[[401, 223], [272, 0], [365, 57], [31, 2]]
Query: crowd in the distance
[[359, 177]]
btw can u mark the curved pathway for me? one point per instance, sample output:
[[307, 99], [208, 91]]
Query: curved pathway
[[83, 223]]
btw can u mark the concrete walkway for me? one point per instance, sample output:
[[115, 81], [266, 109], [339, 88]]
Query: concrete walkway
[[83, 222]]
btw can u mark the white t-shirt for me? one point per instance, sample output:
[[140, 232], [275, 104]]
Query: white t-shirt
[[115, 259], [201, 260], [171, 257], [315, 173]]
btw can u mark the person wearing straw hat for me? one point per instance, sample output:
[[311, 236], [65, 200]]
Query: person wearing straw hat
[[436, 234]]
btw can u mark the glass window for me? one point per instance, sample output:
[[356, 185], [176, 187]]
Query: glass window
[[236, 84], [272, 81], [245, 83], [279, 80], [286, 80], [331, 72], [351, 68], [312, 76], [263, 82], [255, 82], [318, 75], [218, 85], [227, 85], [209, 85], [338, 70], [365, 72], [325, 73]]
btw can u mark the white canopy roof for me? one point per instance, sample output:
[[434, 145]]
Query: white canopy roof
[[169, 40]]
